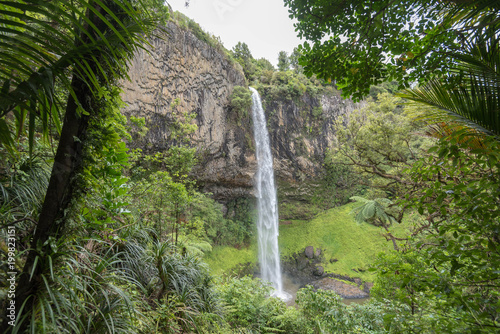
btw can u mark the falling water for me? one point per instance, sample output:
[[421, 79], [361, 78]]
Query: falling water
[[267, 203]]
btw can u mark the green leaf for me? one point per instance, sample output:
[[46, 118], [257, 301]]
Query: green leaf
[[5, 136], [491, 246]]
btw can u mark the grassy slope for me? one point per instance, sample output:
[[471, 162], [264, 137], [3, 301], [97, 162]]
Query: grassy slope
[[334, 231]]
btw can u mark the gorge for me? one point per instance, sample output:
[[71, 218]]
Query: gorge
[[181, 73]]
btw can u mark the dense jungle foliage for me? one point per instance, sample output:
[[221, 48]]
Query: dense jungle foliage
[[97, 238]]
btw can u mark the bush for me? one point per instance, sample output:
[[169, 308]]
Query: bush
[[326, 313], [249, 307], [241, 101]]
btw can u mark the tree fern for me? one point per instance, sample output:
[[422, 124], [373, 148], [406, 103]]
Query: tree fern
[[193, 246], [373, 211]]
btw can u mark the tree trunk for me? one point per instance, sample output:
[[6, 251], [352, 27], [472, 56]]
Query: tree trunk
[[51, 223], [60, 191]]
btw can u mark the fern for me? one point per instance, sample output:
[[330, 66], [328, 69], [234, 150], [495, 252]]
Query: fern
[[373, 211]]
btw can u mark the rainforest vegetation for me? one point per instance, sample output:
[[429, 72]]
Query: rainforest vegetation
[[96, 237]]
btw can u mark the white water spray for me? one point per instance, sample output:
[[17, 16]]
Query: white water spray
[[267, 202]]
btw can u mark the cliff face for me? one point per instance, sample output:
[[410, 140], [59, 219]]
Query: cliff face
[[180, 69], [301, 132], [180, 72]]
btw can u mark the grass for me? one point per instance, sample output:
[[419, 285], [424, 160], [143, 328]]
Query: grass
[[340, 237], [334, 231], [223, 258]]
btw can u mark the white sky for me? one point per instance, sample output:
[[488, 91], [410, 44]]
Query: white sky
[[263, 25]]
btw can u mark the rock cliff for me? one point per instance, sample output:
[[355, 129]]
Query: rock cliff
[[179, 69], [301, 132], [180, 72]]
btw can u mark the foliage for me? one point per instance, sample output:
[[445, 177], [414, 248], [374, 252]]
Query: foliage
[[326, 313], [174, 284], [294, 60], [247, 299], [89, 284], [467, 97], [242, 52], [244, 57], [264, 64], [178, 158], [378, 212], [321, 311], [163, 189], [83, 291], [137, 127], [361, 43], [283, 61], [377, 141], [249, 306], [338, 184], [281, 85], [288, 86], [404, 278], [373, 211], [81, 287], [384, 87], [60, 44], [459, 198], [205, 209], [23, 183], [235, 230], [241, 224], [31, 73], [241, 101]]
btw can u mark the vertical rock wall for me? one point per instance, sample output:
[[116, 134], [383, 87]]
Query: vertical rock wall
[[180, 68]]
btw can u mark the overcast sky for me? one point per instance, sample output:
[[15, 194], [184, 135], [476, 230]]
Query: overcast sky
[[263, 24]]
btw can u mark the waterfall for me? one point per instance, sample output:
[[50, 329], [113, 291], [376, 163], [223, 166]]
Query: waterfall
[[267, 202]]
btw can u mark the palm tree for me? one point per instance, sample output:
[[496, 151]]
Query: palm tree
[[82, 46]]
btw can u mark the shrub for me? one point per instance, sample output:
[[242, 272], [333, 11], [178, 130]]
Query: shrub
[[326, 313], [241, 101], [249, 307]]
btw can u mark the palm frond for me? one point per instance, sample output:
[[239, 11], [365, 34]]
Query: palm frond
[[372, 210], [468, 99], [474, 108], [41, 41]]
